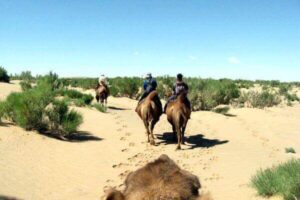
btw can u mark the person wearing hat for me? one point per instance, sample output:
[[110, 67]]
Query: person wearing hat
[[149, 85], [103, 80], [179, 87]]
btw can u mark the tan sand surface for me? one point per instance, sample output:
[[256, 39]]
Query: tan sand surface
[[224, 151]]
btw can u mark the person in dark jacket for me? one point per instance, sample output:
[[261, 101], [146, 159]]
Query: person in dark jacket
[[179, 87], [149, 85]]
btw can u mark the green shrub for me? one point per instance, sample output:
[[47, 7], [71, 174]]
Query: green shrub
[[3, 110], [282, 180], [61, 120], [221, 110], [3, 75], [100, 107], [79, 102], [49, 82], [260, 99], [27, 108], [26, 76], [25, 85], [207, 94], [292, 97], [80, 99], [290, 150]]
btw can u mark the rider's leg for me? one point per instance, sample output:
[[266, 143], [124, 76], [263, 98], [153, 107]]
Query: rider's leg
[[143, 96], [168, 101], [188, 103]]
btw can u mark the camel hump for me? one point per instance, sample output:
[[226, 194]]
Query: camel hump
[[152, 95], [181, 97]]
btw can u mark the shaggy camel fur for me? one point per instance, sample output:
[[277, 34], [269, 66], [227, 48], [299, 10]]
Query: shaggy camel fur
[[102, 92], [159, 180], [150, 111]]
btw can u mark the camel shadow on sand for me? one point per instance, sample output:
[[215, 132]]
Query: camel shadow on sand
[[193, 141], [117, 108]]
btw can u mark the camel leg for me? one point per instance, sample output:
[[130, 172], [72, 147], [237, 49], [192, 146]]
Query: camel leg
[[147, 130], [178, 138], [151, 132], [174, 133], [182, 134]]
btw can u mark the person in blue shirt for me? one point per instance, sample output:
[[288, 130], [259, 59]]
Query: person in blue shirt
[[149, 85]]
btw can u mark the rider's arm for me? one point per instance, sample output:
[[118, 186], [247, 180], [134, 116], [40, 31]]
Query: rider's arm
[[145, 85], [154, 84]]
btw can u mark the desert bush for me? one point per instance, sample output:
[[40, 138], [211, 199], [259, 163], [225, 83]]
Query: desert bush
[[207, 94], [49, 81], [25, 85], [79, 98], [100, 107], [3, 75], [85, 83], [283, 180], [126, 87], [291, 97], [290, 150], [221, 110], [26, 76], [27, 108], [260, 99], [61, 120], [2, 109]]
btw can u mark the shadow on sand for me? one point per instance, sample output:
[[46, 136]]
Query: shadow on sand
[[116, 108], [193, 141], [6, 124], [79, 136]]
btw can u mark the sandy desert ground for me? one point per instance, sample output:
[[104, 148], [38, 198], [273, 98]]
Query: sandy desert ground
[[224, 151]]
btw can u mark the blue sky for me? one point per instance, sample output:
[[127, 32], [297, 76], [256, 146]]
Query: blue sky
[[255, 39]]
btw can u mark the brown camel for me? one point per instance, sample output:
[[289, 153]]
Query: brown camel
[[102, 92], [150, 111], [178, 115], [161, 179]]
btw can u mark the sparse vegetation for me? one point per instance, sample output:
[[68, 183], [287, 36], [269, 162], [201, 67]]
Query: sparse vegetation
[[259, 99], [100, 107], [281, 180], [205, 94], [3, 75], [290, 150], [221, 110], [25, 85], [61, 120], [79, 99], [36, 108]]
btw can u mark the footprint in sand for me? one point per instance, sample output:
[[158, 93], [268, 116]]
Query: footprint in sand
[[131, 144], [127, 134], [122, 138], [124, 150], [119, 129], [120, 165], [136, 156], [124, 174]]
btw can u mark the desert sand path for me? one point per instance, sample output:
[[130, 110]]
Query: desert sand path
[[224, 151]]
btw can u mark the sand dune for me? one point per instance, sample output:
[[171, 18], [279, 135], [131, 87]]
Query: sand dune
[[224, 151]]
